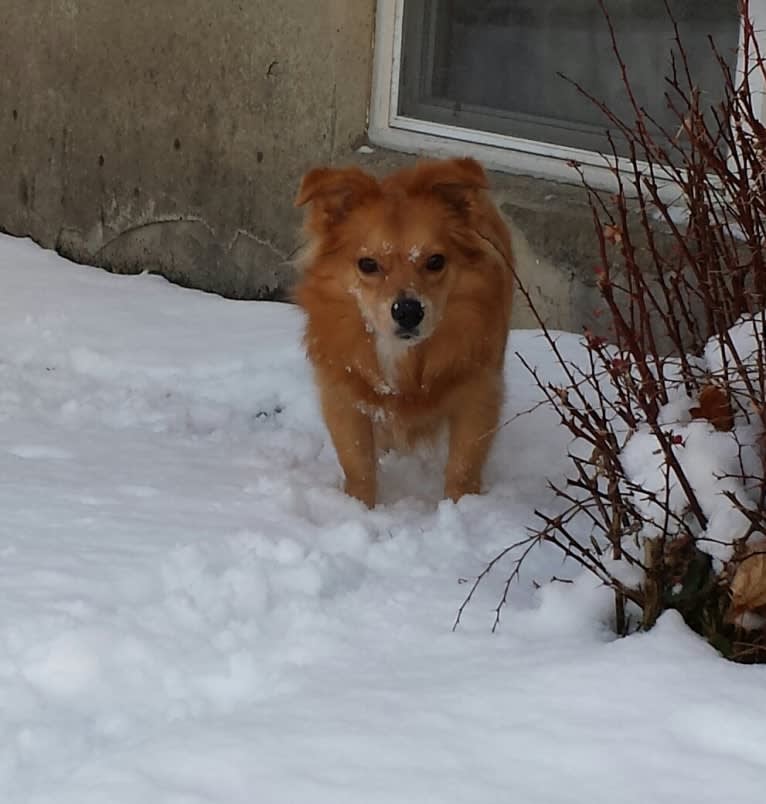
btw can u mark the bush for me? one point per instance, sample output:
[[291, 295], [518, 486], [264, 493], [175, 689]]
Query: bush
[[667, 468]]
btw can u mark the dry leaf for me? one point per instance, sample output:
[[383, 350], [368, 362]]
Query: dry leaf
[[713, 405], [748, 587]]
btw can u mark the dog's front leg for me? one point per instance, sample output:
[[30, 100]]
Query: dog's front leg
[[351, 433], [472, 426]]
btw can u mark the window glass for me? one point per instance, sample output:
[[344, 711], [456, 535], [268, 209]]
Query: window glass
[[493, 65]]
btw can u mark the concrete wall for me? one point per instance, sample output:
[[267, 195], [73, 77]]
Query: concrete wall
[[170, 136]]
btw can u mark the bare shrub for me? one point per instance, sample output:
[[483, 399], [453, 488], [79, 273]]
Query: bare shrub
[[667, 470]]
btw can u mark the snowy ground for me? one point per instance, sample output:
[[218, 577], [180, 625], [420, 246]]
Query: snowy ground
[[192, 613]]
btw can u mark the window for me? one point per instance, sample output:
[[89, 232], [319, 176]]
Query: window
[[487, 72]]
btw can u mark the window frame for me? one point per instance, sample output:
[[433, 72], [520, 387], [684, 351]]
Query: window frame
[[389, 129]]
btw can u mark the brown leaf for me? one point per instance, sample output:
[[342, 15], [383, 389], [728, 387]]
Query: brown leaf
[[748, 587], [714, 405]]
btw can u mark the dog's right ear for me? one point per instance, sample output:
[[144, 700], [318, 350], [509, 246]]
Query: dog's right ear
[[332, 193]]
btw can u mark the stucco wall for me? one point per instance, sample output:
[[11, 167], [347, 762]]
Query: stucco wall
[[170, 136]]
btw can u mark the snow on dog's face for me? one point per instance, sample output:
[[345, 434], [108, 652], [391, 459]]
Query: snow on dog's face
[[403, 247]]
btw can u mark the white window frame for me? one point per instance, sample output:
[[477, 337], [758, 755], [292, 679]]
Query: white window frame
[[389, 129]]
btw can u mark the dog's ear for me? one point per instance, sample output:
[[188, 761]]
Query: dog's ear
[[332, 193], [456, 180], [465, 172], [461, 183]]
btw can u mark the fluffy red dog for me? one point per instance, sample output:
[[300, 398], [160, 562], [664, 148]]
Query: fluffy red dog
[[407, 289]]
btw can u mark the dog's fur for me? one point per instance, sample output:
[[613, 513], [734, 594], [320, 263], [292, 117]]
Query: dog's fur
[[381, 387]]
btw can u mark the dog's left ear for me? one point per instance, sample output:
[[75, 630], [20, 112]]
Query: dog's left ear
[[456, 180], [462, 183]]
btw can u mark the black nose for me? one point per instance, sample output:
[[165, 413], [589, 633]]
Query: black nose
[[407, 313]]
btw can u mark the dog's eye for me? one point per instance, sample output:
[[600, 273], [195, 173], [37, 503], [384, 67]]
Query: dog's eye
[[435, 262], [368, 266]]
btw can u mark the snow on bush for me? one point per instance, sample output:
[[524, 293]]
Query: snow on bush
[[721, 466]]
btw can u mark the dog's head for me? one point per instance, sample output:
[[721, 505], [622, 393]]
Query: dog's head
[[403, 246]]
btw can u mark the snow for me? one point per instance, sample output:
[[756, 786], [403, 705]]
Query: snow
[[747, 339], [710, 460], [717, 464], [193, 613]]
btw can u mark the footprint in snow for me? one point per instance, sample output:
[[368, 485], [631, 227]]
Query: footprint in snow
[[138, 491], [39, 452]]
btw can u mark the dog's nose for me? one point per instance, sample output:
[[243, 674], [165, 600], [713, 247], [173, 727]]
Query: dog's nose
[[407, 313]]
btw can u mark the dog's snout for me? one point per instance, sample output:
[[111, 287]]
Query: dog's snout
[[407, 312]]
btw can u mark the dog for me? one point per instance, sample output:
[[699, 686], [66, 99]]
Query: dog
[[407, 285]]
